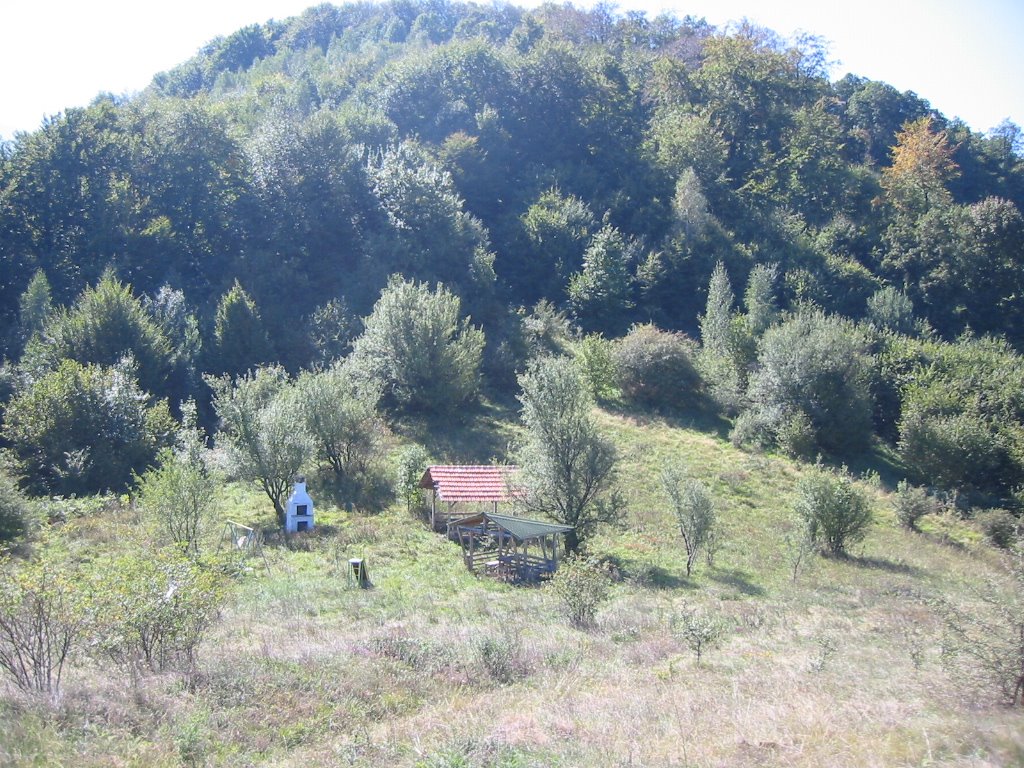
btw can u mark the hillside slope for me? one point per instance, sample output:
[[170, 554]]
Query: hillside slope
[[841, 665]]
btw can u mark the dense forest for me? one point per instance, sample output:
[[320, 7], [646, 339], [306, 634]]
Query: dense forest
[[551, 169]]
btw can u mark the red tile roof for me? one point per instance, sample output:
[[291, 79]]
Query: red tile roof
[[468, 482]]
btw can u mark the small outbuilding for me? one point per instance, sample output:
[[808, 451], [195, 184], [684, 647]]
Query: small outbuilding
[[460, 490], [511, 548]]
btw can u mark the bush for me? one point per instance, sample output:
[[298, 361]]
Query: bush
[[82, 429], [656, 367], [817, 366], [699, 630], [796, 436], [1001, 528], [418, 347], [911, 503], [581, 586], [835, 512], [15, 509], [41, 621], [954, 451], [152, 610]]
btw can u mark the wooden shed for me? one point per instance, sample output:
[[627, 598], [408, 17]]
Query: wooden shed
[[511, 548], [460, 490]]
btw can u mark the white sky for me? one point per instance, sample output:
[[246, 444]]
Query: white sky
[[965, 58]]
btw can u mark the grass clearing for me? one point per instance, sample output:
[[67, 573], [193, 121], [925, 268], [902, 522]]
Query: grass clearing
[[842, 665]]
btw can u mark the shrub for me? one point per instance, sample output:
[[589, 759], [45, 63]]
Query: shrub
[[40, 623], [818, 366], [835, 512], [15, 508], [152, 610], [699, 630], [988, 632], [1000, 527], [82, 429], [796, 436], [911, 503], [656, 367], [418, 347], [581, 586], [954, 451]]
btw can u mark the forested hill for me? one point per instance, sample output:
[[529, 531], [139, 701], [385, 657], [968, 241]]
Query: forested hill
[[498, 150], [252, 203]]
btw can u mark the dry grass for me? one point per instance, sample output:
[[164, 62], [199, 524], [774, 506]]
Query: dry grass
[[432, 667]]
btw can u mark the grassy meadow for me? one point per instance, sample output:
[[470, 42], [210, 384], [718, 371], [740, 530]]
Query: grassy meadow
[[821, 661]]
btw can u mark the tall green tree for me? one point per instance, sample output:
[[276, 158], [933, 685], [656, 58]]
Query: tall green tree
[[34, 307], [240, 337], [600, 294], [107, 323], [417, 345], [568, 470], [342, 418]]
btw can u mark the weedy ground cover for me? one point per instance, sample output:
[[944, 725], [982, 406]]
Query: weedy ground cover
[[840, 661]]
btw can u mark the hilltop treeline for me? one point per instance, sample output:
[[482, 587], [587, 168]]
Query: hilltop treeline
[[251, 204]]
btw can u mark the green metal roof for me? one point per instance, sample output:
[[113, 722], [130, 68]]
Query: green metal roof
[[519, 527]]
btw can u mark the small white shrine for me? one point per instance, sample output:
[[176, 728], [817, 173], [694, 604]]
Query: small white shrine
[[298, 515]]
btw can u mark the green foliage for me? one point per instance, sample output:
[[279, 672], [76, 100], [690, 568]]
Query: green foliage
[[694, 511], [432, 237], [41, 622], [818, 366], [891, 309], [962, 413], [262, 431], [177, 494], [105, 326], [759, 298], [984, 631], [912, 503], [656, 367], [596, 357], [699, 630], [240, 338], [581, 586], [600, 293], [152, 610], [416, 344], [34, 306], [15, 509], [567, 468], [331, 329], [1001, 528], [557, 229], [716, 322], [82, 429], [342, 418], [834, 511], [410, 464]]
